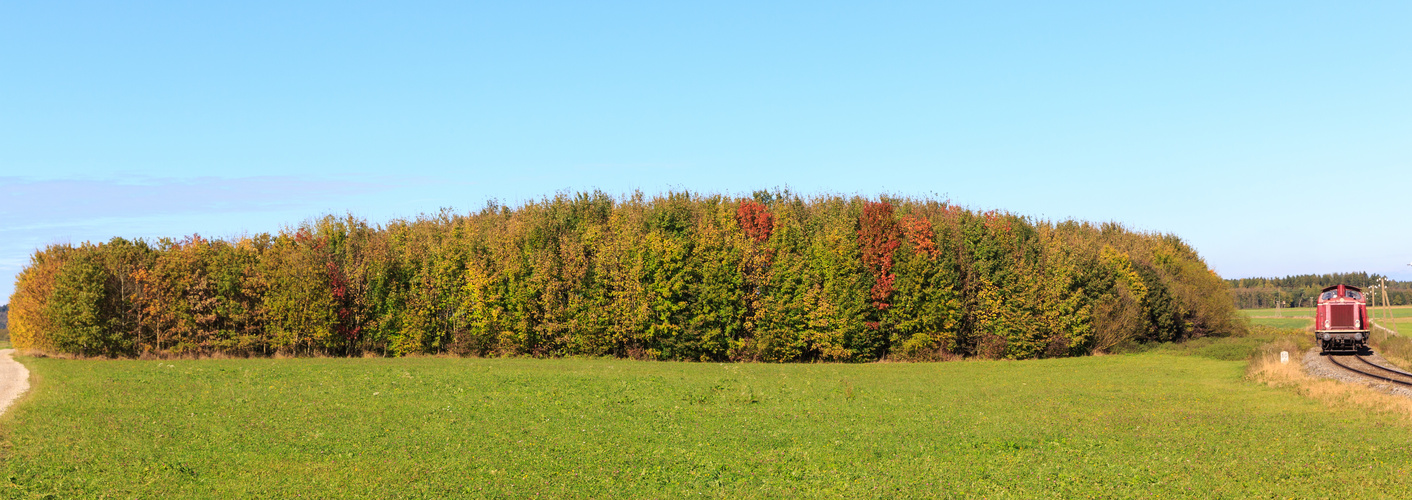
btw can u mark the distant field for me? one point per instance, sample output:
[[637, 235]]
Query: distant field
[[1293, 317], [1402, 318], [1402, 325], [1287, 312], [1284, 318], [1178, 420], [1399, 312], [1296, 323]]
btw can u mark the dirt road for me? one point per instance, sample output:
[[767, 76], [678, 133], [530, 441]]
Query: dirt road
[[14, 379]]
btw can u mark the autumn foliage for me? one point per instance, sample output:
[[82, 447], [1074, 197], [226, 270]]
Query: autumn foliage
[[773, 277], [755, 220], [878, 239]]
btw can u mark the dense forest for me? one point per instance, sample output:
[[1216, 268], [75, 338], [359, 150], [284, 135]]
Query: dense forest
[[1303, 290], [772, 277]]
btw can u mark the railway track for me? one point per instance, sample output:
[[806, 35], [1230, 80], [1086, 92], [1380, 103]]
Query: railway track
[[1386, 374]]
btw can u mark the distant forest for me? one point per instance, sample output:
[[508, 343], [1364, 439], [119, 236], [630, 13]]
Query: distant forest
[[4, 316], [1302, 290], [772, 277]]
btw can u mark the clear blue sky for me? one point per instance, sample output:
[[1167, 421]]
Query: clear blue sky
[[1260, 132]]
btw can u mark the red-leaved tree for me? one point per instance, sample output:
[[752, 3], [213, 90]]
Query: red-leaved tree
[[755, 220], [878, 238]]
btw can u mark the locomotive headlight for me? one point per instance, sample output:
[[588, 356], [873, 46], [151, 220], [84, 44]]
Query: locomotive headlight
[[1326, 322], [1358, 322], [1357, 336], [1326, 336]]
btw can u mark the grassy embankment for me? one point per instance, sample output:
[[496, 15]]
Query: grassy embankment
[[1174, 420]]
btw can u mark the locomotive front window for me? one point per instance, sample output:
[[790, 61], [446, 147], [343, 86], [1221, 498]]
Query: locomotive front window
[[1352, 294], [1328, 295]]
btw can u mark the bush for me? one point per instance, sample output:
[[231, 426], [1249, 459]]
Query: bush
[[773, 277]]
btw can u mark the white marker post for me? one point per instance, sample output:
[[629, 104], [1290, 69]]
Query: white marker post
[[1284, 357]]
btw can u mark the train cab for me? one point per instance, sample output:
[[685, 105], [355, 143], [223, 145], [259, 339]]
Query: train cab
[[1341, 319]]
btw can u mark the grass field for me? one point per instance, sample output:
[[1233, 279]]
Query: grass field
[[1308, 312], [1176, 420], [1301, 317], [1402, 318], [1295, 323], [1286, 312], [1289, 317]]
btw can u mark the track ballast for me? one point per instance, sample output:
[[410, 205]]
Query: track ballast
[[1391, 371]]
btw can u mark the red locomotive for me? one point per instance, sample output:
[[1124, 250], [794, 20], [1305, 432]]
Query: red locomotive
[[1341, 319]]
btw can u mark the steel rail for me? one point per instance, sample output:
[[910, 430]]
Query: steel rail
[[1334, 360], [1381, 367]]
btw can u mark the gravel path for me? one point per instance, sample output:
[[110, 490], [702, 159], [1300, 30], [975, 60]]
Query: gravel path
[[14, 379], [1319, 366]]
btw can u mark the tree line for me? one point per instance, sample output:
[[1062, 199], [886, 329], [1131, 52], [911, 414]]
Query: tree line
[[772, 277], [1361, 280], [1303, 290]]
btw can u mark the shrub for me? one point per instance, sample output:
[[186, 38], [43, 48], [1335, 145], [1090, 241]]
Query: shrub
[[773, 277]]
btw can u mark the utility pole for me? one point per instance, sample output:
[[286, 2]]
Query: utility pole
[[1383, 294], [1383, 286], [1374, 300], [1372, 303], [1387, 305]]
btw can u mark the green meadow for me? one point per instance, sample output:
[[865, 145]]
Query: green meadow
[[1292, 317], [1399, 312], [1402, 318], [1297, 323], [1284, 312], [1302, 317], [1174, 420]]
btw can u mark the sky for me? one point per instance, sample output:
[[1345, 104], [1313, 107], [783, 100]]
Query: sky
[[1274, 137]]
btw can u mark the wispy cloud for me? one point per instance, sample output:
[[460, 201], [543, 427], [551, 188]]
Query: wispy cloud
[[27, 204], [38, 212]]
